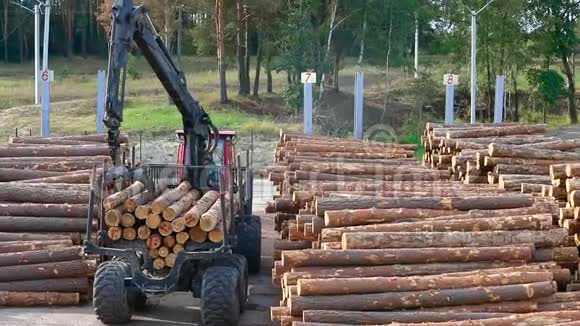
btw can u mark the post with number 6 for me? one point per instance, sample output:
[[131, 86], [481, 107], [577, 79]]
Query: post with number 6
[[308, 79], [450, 81], [47, 76]]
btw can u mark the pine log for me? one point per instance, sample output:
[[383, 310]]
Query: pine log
[[291, 245], [93, 138], [574, 198], [192, 217], [129, 234], [571, 185], [216, 235], [380, 240], [169, 241], [181, 206], [159, 263], [5, 236], [573, 170], [529, 188], [153, 221], [142, 212], [31, 194], [356, 169], [416, 299], [115, 233], [210, 219], [163, 251], [154, 241], [99, 159], [497, 131], [21, 299], [51, 151], [49, 166], [449, 269], [127, 220], [40, 256], [41, 224], [330, 317], [119, 198], [442, 203], [164, 201], [182, 237], [48, 141], [143, 198], [347, 257], [154, 253], [522, 169], [542, 208], [491, 162], [67, 269], [69, 285], [19, 246], [334, 218], [196, 234], [113, 217], [7, 175], [143, 232], [573, 226], [525, 222], [559, 254], [178, 248], [165, 228], [170, 259], [76, 178], [178, 224], [339, 286], [558, 171], [533, 153], [56, 210]]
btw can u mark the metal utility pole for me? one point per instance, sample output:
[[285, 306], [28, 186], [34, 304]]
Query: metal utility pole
[[474, 15], [36, 53], [416, 46], [46, 35]]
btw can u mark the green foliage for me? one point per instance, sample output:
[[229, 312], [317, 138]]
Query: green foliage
[[132, 69], [292, 95], [549, 84]]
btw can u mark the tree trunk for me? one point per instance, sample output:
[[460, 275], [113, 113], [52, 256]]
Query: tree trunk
[[268, 65], [259, 57], [336, 79], [571, 90], [42, 151], [41, 224], [328, 45], [425, 299], [5, 30], [32, 194], [530, 153], [143, 198], [388, 317], [220, 30], [40, 256], [75, 179], [62, 285], [370, 257], [342, 286], [20, 299], [241, 48], [56, 210], [380, 240], [117, 199], [66, 269], [164, 201], [191, 218], [69, 28], [181, 206]]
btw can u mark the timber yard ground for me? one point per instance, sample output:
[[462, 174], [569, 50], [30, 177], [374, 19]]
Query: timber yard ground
[[176, 308]]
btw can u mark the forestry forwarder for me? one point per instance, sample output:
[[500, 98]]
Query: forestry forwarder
[[215, 273]]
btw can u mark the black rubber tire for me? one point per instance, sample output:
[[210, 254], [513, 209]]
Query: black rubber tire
[[220, 304], [110, 296], [137, 300], [240, 263], [249, 245]]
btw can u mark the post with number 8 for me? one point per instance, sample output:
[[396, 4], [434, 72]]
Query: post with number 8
[[450, 81]]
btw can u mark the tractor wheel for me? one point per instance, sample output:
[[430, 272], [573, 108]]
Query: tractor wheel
[[240, 263], [110, 299], [249, 245], [220, 304], [137, 300]]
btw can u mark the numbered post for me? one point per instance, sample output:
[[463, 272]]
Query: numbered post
[[45, 112], [359, 89], [499, 99], [100, 101], [450, 81], [308, 79]]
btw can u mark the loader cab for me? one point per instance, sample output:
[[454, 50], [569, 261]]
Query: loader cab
[[225, 153]]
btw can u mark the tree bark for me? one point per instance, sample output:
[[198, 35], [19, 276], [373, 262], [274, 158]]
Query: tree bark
[[571, 92], [181, 206], [21, 299], [63, 285], [52, 151], [7, 175], [387, 317], [426, 299], [164, 201], [40, 256], [191, 218], [497, 150], [220, 31], [73, 178], [67, 269], [497, 131], [117, 199], [259, 58], [363, 257], [143, 198], [56, 210]]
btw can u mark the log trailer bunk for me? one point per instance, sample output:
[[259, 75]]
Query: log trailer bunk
[[215, 273]]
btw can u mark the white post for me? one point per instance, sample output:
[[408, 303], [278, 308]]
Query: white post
[[359, 89], [416, 46], [100, 100], [308, 79], [450, 81], [36, 54], [499, 98], [46, 35], [473, 67]]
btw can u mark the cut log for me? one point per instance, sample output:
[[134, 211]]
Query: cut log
[[143, 232], [291, 245], [426, 299], [196, 234], [182, 237], [154, 253], [142, 212], [533, 153], [164, 201], [191, 218], [40, 256], [163, 251], [93, 138], [57, 159], [78, 285], [178, 224], [560, 254], [56, 210], [49, 166], [76, 178], [31, 194], [51, 151], [19, 246], [340, 286], [119, 198], [210, 219], [327, 317], [573, 170], [74, 268], [216, 235], [5, 236], [525, 222], [153, 221], [127, 220], [333, 218], [159, 263], [154, 241], [497, 131], [21, 299], [113, 217], [522, 169], [441, 203], [42, 224], [181, 206], [7, 175], [115, 233], [379, 240], [178, 248], [143, 198], [169, 241], [363, 257], [129, 234], [165, 228], [170, 259], [571, 185]]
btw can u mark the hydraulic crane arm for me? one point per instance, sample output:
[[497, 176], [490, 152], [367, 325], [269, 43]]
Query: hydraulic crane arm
[[130, 24]]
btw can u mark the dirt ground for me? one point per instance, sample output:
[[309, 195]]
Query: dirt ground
[[177, 308]]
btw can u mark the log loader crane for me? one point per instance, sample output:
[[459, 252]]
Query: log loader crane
[[215, 273]]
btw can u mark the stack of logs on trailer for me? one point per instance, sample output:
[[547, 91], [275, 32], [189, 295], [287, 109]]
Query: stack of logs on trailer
[[366, 243], [565, 179], [516, 157], [44, 195], [166, 220]]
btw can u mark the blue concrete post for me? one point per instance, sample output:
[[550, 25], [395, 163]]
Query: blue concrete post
[[100, 101], [308, 102], [449, 100], [499, 96], [45, 115], [359, 89]]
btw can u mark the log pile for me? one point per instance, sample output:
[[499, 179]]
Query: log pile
[[416, 250], [166, 220]]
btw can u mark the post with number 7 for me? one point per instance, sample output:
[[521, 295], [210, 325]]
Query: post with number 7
[[450, 81], [308, 79]]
